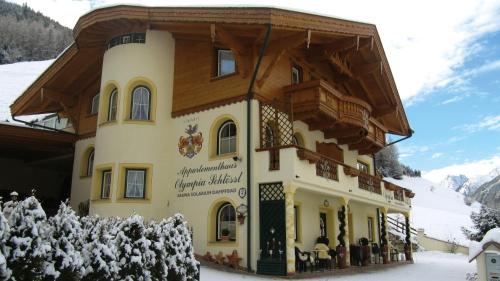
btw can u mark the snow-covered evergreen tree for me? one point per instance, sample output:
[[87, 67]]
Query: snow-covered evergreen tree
[[486, 219], [29, 257], [181, 262], [64, 239], [133, 249], [387, 162], [99, 250], [8, 208], [4, 236], [157, 261]]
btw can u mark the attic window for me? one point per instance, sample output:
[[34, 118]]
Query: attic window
[[296, 74], [139, 38], [225, 62]]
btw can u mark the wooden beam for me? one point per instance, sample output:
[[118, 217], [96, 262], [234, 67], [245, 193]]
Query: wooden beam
[[379, 112], [349, 140], [340, 63], [368, 68], [290, 42], [342, 133], [341, 44], [59, 97], [269, 68]]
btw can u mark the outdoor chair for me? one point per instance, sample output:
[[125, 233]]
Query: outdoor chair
[[302, 258], [322, 254]]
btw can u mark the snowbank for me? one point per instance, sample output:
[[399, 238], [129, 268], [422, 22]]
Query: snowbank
[[475, 248]]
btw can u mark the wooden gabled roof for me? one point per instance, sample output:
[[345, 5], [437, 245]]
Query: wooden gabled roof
[[78, 68]]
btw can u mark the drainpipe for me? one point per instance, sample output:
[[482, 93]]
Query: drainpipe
[[249, 146], [40, 126], [402, 139]]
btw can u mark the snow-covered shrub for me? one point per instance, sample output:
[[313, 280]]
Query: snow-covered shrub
[[472, 276], [182, 264], [157, 255], [30, 251], [133, 249], [99, 251], [4, 236], [8, 208], [64, 239]]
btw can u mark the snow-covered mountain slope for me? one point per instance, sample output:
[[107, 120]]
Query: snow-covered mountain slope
[[15, 78], [458, 183], [488, 193], [439, 210]]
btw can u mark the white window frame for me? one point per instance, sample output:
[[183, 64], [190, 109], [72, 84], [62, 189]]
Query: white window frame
[[231, 139], [361, 167], [219, 62], [113, 106], [90, 163], [232, 223], [296, 75], [129, 184], [94, 107], [135, 104], [107, 177]]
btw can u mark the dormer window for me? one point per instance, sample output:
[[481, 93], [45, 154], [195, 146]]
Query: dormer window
[[225, 62], [296, 75]]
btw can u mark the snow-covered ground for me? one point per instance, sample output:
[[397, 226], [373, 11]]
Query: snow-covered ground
[[430, 266], [15, 78], [439, 210]]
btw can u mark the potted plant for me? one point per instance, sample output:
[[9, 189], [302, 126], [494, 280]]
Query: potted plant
[[225, 234], [365, 250], [408, 255]]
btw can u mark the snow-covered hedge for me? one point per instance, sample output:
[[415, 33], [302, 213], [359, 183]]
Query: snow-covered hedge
[[69, 247]]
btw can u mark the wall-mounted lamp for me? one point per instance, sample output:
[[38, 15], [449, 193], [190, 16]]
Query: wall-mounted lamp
[[242, 210], [237, 158]]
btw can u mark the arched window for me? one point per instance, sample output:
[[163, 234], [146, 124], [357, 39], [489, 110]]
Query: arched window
[[141, 99], [226, 138], [269, 135], [298, 140], [226, 222], [90, 163], [94, 106], [113, 105]]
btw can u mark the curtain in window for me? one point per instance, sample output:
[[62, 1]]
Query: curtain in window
[[140, 104], [112, 106], [226, 219], [135, 184], [227, 138], [106, 184]]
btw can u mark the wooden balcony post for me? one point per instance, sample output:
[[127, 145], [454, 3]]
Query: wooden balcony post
[[343, 246], [290, 228]]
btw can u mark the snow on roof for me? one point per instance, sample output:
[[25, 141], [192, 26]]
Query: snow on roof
[[491, 237]]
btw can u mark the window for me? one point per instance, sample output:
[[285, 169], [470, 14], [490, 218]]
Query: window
[[298, 140], [141, 98], [113, 105], [362, 167], [135, 183], [370, 229], [127, 39], [90, 163], [269, 134], [226, 138], [296, 75], [106, 184], [225, 62], [226, 222], [94, 107]]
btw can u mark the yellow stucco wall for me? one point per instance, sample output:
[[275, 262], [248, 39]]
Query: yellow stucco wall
[[80, 185], [432, 244]]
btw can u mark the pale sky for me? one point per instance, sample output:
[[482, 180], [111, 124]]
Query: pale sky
[[437, 51]]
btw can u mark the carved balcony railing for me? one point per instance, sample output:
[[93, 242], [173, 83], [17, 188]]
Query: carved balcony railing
[[369, 183], [325, 167], [398, 194], [316, 101]]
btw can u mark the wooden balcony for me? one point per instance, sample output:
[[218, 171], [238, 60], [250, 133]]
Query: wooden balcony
[[339, 116], [326, 167], [369, 183]]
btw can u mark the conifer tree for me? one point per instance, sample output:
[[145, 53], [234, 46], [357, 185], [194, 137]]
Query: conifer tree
[[4, 236], [156, 261], [99, 251], [132, 250], [29, 257], [64, 239], [485, 220], [181, 261]]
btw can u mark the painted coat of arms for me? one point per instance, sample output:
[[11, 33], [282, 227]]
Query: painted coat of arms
[[191, 144]]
